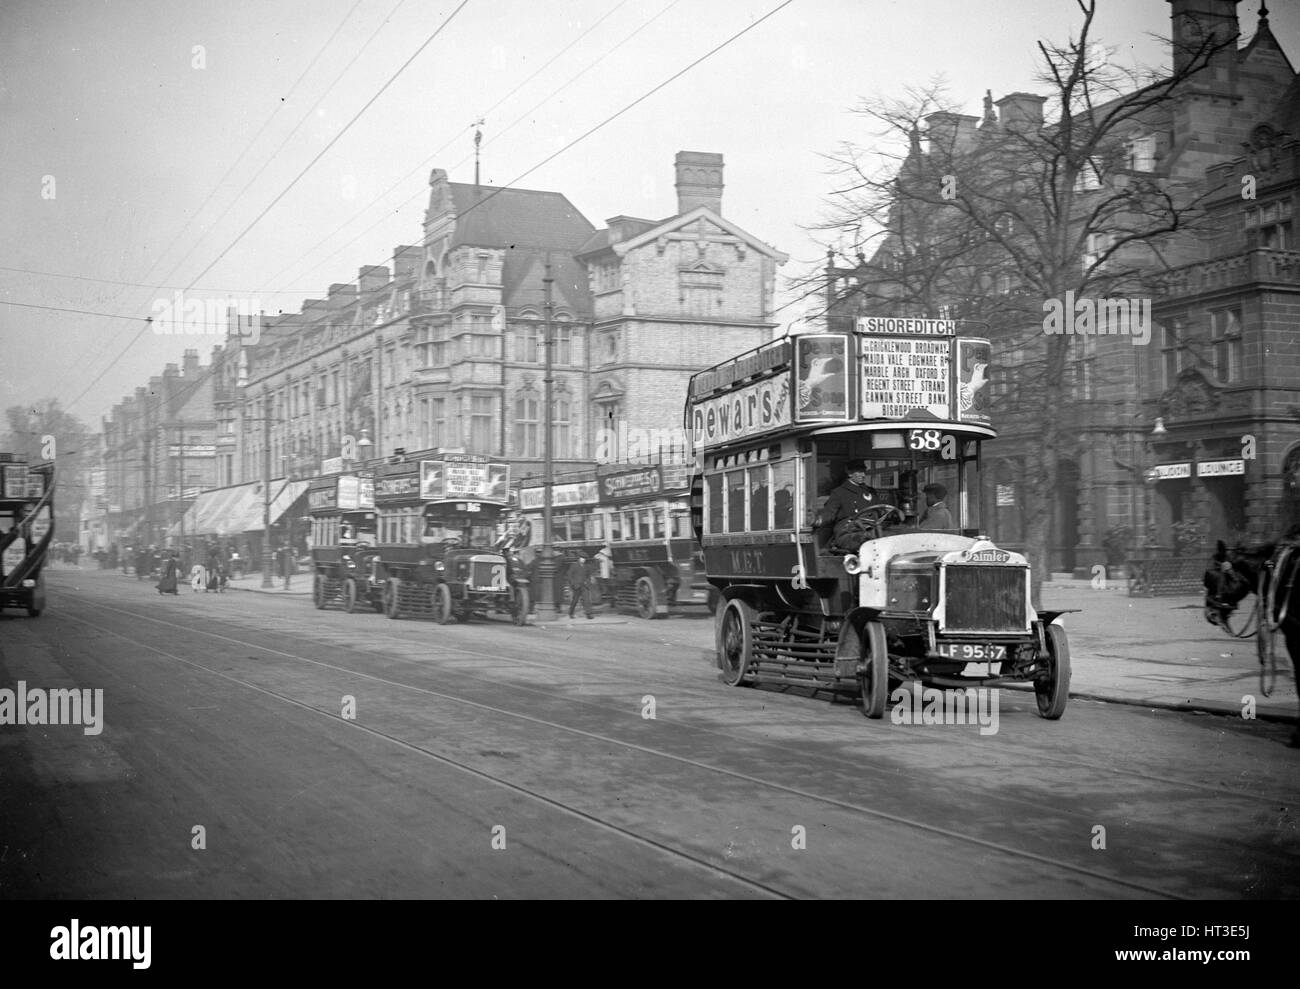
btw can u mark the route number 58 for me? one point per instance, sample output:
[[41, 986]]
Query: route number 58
[[925, 439], [933, 439]]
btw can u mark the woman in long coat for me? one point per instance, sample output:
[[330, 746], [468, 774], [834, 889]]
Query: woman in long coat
[[170, 567]]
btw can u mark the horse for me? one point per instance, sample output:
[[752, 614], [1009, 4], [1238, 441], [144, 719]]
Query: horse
[[1272, 572]]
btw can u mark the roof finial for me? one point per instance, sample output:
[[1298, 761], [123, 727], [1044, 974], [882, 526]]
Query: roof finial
[[478, 139], [1263, 13], [989, 116]]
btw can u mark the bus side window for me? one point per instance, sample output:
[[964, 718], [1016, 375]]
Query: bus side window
[[736, 501], [783, 496], [713, 500], [615, 526], [758, 501]]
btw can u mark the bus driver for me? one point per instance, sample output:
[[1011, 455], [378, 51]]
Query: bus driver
[[844, 505]]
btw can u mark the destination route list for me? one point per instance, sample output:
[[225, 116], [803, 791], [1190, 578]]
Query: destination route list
[[901, 376]]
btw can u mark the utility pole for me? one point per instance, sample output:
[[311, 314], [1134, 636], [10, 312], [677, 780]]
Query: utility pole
[[546, 605], [266, 488]]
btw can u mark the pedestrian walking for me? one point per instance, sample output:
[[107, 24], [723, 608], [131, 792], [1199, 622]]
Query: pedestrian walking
[[170, 571], [579, 586]]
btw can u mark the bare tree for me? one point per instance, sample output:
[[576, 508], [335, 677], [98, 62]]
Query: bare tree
[[1007, 222]]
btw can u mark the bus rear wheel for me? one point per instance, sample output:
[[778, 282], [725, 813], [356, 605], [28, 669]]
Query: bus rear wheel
[[349, 595], [318, 592], [647, 598], [736, 641]]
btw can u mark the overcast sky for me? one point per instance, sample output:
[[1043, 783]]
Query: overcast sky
[[120, 119]]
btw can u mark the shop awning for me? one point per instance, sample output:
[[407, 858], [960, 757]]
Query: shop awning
[[239, 509], [247, 517]]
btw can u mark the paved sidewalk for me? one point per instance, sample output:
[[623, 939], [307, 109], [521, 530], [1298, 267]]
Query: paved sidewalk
[[1161, 652]]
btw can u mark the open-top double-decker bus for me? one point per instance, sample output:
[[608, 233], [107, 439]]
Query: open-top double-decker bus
[[441, 550], [641, 512], [344, 530], [26, 532], [887, 596]]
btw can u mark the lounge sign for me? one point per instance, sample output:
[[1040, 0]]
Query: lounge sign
[[1220, 468], [749, 411]]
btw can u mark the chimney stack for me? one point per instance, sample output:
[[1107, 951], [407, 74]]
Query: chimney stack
[[1198, 22], [372, 277], [699, 181], [1021, 113], [190, 364]]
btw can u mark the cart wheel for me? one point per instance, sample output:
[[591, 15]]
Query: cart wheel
[[1053, 691], [393, 598], [874, 680], [522, 604], [441, 604], [647, 599], [735, 641], [318, 592], [349, 595]]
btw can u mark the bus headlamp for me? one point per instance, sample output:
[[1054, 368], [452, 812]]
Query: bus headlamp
[[852, 564]]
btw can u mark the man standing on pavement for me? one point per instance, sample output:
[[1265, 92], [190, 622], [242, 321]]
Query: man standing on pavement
[[936, 514], [576, 578]]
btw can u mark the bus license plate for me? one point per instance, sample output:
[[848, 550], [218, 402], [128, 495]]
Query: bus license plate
[[977, 651]]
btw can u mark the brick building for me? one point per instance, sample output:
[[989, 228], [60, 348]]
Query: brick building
[[443, 348], [1219, 367]]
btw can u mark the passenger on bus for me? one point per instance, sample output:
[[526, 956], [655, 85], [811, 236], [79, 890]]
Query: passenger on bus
[[936, 514]]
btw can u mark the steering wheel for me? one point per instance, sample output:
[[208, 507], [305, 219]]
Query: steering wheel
[[876, 516]]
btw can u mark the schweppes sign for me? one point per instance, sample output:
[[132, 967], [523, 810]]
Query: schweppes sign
[[749, 411]]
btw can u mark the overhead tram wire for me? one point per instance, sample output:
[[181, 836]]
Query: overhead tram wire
[[640, 99], [334, 140], [433, 157], [498, 134], [220, 182], [288, 137], [111, 281]]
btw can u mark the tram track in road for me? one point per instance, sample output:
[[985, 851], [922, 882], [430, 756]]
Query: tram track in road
[[766, 784], [1016, 754]]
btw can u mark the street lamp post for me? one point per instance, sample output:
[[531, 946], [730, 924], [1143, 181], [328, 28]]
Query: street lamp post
[[267, 558], [546, 603]]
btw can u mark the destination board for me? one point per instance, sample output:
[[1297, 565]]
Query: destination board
[[447, 480], [905, 378]]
